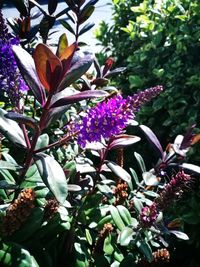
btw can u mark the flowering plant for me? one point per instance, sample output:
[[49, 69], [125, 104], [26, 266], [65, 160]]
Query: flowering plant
[[64, 201]]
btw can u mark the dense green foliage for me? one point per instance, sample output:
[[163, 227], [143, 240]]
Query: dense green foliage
[[158, 41]]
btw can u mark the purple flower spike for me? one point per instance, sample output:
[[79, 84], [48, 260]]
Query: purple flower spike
[[148, 215], [10, 78], [110, 118]]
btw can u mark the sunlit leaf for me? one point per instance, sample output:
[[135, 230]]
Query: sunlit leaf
[[48, 66], [27, 68], [53, 176], [120, 172], [62, 45], [179, 234], [11, 130], [117, 218], [126, 236], [22, 119], [66, 56], [123, 140], [78, 97], [78, 68]]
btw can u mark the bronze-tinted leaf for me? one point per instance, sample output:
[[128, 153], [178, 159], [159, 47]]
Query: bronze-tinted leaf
[[108, 65], [27, 68], [48, 66], [66, 57]]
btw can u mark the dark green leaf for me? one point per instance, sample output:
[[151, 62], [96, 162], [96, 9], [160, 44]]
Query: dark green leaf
[[5, 185], [67, 26], [45, 25], [128, 261], [52, 5], [13, 255], [11, 130], [78, 97], [53, 176], [22, 6], [79, 67], [27, 68], [86, 13], [86, 28], [145, 249]]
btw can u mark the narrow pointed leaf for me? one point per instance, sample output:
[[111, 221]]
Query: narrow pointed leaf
[[22, 119], [191, 167], [86, 28], [67, 26], [179, 234], [117, 218], [86, 13], [81, 65], [53, 176], [78, 97], [27, 68], [153, 139], [62, 45], [114, 72], [48, 66], [123, 140], [66, 56], [11, 130], [120, 172], [125, 214], [140, 161], [45, 25]]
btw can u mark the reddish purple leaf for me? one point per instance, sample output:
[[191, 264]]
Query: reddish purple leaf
[[123, 140], [78, 97], [153, 139]]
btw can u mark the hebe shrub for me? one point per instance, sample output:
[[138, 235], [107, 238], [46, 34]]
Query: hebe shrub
[[158, 42], [65, 200]]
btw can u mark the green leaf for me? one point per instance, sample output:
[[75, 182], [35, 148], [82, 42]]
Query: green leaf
[[107, 246], [86, 13], [150, 179], [145, 249], [62, 45], [81, 65], [125, 214], [5, 185], [117, 218], [140, 161], [126, 236], [30, 226], [128, 261], [4, 165], [137, 204], [134, 175], [120, 172], [179, 234], [67, 26], [86, 28], [11, 130], [42, 141], [53, 176], [135, 81], [14, 255]]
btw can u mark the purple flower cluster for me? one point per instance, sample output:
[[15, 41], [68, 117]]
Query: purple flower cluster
[[148, 215], [10, 78], [111, 117], [173, 190]]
